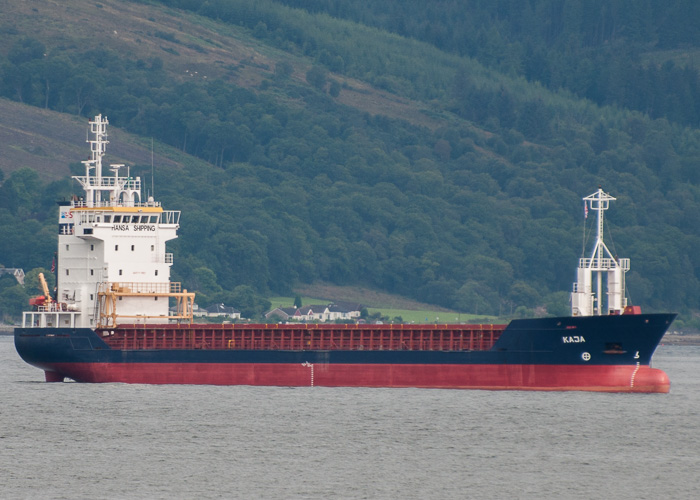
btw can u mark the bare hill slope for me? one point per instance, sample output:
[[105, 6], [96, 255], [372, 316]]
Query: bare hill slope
[[49, 142]]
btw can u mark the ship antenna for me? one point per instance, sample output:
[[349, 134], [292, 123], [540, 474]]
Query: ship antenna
[[583, 237], [153, 185]]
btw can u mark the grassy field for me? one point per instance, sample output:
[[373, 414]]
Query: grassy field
[[289, 301], [428, 316], [424, 315]]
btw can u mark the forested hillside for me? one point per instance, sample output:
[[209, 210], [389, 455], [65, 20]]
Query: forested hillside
[[439, 152], [636, 54]]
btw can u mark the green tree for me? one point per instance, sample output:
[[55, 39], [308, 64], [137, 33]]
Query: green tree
[[13, 300], [249, 302], [334, 89], [20, 193], [283, 70], [204, 282], [25, 50], [81, 90], [53, 73], [32, 284], [316, 77]]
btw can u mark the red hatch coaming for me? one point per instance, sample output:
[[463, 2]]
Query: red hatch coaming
[[305, 337]]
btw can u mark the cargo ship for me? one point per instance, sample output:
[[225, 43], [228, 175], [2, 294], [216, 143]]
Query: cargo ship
[[109, 319]]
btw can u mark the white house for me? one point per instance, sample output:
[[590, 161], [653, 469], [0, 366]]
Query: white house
[[217, 310], [17, 272], [318, 312]]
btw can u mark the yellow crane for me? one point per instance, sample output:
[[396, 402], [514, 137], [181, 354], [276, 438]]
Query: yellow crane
[[42, 300], [45, 288]]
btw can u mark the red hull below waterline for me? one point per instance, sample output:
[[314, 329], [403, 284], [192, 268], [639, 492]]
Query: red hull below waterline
[[615, 378]]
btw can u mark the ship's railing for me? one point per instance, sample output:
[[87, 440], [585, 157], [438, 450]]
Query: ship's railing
[[604, 263], [123, 287], [52, 307], [50, 319], [125, 183], [107, 203], [109, 294], [301, 338], [92, 181]]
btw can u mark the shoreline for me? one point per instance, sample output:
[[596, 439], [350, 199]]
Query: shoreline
[[675, 339]]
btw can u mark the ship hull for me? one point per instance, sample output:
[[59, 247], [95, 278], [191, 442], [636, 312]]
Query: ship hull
[[446, 376], [609, 354]]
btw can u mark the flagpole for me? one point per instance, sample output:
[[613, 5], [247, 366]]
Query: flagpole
[[583, 240], [54, 269]]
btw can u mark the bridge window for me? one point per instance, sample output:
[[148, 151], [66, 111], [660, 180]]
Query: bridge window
[[108, 218], [117, 219]]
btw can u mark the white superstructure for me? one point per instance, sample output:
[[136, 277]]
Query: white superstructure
[[587, 295], [112, 265]]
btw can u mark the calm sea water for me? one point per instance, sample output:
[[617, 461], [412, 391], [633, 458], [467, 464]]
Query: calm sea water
[[134, 441]]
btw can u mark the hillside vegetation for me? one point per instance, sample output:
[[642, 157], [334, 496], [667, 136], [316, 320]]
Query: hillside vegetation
[[440, 156]]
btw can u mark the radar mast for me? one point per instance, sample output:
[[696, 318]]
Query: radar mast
[[585, 301]]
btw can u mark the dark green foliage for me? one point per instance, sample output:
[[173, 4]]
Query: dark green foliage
[[316, 76], [26, 50], [481, 213], [13, 299], [249, 302], [283, 70], [334, 89], [592, 48]]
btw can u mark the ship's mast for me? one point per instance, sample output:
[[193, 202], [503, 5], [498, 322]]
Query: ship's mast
[[105, 191], [584, 301], [98, 145]]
